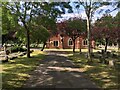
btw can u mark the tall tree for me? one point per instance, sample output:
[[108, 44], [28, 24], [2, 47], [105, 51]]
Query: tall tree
[[39, 34], [61, 30], [49, 19], [40, 25], [9, 25], [26, 11], [104, 30], [23, 17], [73, 27], [90, 6], [117, 28]]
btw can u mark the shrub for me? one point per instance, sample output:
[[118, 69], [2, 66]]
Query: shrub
[[7, 52], [18, 48]]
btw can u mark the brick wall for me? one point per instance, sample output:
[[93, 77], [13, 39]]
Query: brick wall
[[78, 43]]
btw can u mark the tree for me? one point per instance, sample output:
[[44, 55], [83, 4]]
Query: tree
[[9, 24], [49, 19], [117, 28], [116, 5], [73, 27], [0, 28], [42, 26], [104, 30], [39, 35], [26, 11], [20, 12], [90, 7]]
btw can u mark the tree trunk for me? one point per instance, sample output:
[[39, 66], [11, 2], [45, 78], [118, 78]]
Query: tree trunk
[[118, 45], [28, 38], [37, 43], [43, 46], [62, 43], [49, 42], [88, 36], [80, 46], [28, 44], [80, 50], [5, 50], [106, 43], [27, 30], [73, 45]]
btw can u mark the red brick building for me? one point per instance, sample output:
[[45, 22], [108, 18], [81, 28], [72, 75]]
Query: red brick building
[[66, 42]]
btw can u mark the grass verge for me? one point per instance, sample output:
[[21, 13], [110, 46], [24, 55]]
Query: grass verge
[[16, 72], [103, 75]]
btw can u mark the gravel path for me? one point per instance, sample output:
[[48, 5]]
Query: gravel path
[[58, 72]]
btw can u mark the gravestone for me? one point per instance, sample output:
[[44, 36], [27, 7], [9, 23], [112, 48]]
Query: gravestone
[[111, 63]]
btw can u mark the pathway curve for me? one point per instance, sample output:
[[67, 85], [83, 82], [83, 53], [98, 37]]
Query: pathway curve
[[58, 72]]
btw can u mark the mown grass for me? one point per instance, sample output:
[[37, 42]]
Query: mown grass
[[103, 75], [17, 71], [77, 50]]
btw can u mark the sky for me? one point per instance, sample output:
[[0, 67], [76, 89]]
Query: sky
[[81, 13]]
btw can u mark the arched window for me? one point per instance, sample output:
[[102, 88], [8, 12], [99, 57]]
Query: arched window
[[70, 42], [55, 43], [85, 42]]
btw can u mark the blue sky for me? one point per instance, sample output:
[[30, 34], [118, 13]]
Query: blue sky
[[81, 12]]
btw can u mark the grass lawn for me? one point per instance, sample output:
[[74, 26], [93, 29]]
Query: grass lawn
[[15, 72], [103, 75]]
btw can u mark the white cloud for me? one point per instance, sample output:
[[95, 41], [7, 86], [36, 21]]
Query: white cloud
[[81, 14], [71, 15]]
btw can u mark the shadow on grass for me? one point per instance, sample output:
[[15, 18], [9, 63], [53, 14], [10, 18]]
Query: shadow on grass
[[18, 70], [15, 72], [58, 72], [101, 74], [60, 52]]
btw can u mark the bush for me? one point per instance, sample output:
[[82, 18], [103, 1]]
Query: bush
[[18, 48], [7, 52]]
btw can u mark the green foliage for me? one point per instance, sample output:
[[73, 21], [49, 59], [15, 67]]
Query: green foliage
[[21, 35], [77, 24], [28, 14], [48, 22], [117, 28], [9, 21], [105, 29], [75, 27], [117, 20], [17, 48], [90, 8], [104, 21], [25, 12], [9, 24], [39, 35]]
